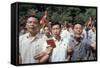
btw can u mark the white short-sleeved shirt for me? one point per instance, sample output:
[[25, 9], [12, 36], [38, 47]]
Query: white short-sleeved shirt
[[30, 47], [66, 35], [92, 35], [59, 52]]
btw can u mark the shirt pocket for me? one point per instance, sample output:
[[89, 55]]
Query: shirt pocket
[[64, 46]]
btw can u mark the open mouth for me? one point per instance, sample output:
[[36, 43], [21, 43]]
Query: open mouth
[[31, 27]]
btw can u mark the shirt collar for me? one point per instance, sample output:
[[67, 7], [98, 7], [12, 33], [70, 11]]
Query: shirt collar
[[33, 38], [61, 39], [76, 42]]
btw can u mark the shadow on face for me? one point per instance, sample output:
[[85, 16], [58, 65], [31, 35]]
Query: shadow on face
[[78, 29]]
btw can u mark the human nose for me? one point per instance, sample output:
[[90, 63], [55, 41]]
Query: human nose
[[55, 30], [33, 24]]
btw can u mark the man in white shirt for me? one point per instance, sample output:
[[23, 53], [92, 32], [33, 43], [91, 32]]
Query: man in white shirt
[[92, 34], [59, 52], [32, 45], [66, 35]]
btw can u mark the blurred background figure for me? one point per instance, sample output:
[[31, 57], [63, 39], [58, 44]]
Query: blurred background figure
[[22, 29], [44, 20], [92, 34], [47, 31], [88, 26], [69, 27], [65, 33]]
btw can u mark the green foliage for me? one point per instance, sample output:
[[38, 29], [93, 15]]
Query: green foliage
[[57, 13]]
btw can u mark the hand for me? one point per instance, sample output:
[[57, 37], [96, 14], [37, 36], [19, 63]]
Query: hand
[[40, 55], [69, 50], [93, 45], [49, 50], [44, 59]]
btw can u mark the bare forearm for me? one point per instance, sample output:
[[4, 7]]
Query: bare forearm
[[93, 45], [68, 58], [20, 60]]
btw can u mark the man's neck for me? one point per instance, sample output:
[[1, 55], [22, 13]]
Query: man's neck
[[32, 34], [58, 38], [78, 39]]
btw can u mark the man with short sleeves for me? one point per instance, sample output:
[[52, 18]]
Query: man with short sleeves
[[32, 45], [59, 52]]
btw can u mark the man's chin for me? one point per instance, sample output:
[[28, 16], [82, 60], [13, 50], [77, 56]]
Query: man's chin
[[78, 36], [31, 31], [56, 35]]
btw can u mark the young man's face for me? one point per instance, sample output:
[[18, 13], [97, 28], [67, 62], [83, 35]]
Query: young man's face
[[56, 30], [78, 30], [32, 25]]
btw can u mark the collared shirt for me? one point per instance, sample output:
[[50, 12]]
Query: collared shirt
[[30, 47], [60, 51], [92, 35], [66, 36], [81, 49]]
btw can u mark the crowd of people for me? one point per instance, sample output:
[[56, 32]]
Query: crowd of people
[[54, 42]]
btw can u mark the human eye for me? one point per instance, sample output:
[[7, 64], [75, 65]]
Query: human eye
[[29, 21]]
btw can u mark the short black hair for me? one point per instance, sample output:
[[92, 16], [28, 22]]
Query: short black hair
[[78, 23], [55, 23], [28, 16]]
